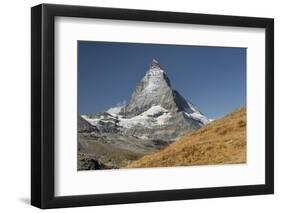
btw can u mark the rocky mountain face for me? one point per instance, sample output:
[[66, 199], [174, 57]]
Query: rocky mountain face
[[155, 116]]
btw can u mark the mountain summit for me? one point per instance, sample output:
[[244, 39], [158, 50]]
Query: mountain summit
[[155, 90], [155, 65], [155, 110], [155, 116]]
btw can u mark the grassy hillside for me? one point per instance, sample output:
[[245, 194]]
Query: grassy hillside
[[221, 142]]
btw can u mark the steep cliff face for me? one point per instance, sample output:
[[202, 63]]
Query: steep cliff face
[[153, 90]]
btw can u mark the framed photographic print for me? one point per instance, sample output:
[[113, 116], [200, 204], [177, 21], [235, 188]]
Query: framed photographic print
[[139, 106]]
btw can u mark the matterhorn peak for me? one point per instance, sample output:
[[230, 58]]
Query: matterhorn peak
[[155, 64], [155, 69]]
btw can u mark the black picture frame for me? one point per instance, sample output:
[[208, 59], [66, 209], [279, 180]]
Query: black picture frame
[[43, 111]]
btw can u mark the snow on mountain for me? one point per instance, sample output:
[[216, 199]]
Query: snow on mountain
[[155, 110], [93, 121], [196, 114], [154, 77], [153, 89], [199, 117], [156, 115]]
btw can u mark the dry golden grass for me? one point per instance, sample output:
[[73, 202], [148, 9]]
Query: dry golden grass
[[221, 142]]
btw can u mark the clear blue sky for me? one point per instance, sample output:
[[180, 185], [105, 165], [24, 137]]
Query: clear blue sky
[[212, 78]]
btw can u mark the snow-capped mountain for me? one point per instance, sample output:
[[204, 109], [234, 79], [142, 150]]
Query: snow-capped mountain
[[155, 116], [155, 111]]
